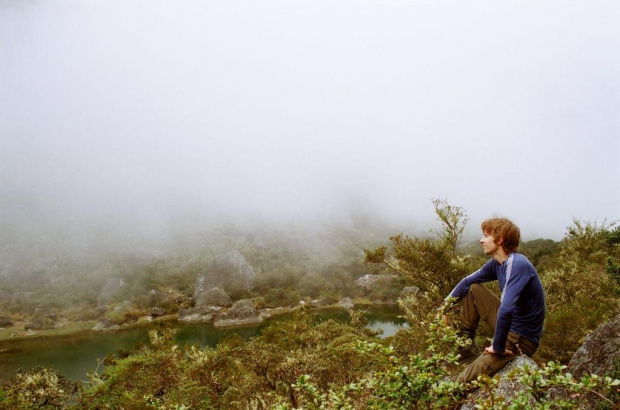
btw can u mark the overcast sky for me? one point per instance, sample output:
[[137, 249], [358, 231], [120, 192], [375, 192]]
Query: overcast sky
[[149, 113]]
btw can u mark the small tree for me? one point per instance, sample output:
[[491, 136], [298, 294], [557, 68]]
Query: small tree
[[453, 220], [431, 264]]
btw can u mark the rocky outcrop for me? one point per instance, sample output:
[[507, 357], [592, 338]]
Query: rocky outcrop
[[104, 324], [6, 321], [507, 388], [599, 351], [372, 282], [109, 290], [204, 314], [242, 312], [230, 271], [346, 303], [211, 297]]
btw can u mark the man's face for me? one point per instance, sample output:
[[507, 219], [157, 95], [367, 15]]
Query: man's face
[[488, 243]]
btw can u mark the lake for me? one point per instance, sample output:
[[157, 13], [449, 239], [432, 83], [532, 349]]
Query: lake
[[75, 355]]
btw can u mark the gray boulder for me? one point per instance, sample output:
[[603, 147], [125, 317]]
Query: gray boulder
[[346, 303], [109, 290], [230, 271], [211, 297], [204, 314], [599, 351], [507, 387], [372, 282], [242, 312], [6, 321]]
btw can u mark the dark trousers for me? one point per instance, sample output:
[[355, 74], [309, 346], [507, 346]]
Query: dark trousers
[[480, 303]]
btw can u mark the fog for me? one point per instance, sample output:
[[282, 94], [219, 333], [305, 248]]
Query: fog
[[144, 119]]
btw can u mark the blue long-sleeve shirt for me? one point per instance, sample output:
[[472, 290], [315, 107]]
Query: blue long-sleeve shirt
[[522, 306]]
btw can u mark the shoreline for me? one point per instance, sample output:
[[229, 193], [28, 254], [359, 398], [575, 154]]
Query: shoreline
[[17, 333]]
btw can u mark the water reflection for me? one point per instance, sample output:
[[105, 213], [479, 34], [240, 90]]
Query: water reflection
[[75, 355]]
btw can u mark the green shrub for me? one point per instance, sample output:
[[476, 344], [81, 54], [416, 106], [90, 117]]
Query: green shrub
[[282, 297], [37, 388]]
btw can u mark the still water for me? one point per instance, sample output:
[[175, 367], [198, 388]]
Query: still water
[[75, 355]]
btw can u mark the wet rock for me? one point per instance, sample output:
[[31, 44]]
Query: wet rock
[[242, 312], [204, 314]]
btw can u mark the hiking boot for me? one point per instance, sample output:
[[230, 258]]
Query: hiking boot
[[470, 352]]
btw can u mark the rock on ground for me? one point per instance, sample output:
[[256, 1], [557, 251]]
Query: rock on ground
[[346, 303], [599, 351], [204, 314], [210, 297], [506, 387], [241, 313]]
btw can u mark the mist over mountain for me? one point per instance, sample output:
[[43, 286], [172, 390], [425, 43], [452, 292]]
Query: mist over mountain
[[135, 125]]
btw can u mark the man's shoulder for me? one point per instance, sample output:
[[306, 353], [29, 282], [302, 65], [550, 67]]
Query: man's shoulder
[[521, 261]]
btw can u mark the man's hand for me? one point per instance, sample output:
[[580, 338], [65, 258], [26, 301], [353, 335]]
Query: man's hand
[[489, 350]]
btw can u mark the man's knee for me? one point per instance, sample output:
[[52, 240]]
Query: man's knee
[[488, 364], [476, 288], [476, 368]]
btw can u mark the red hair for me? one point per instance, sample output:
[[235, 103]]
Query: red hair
[[503, 228]]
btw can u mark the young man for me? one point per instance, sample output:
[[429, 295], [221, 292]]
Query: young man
[[517, 317]]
